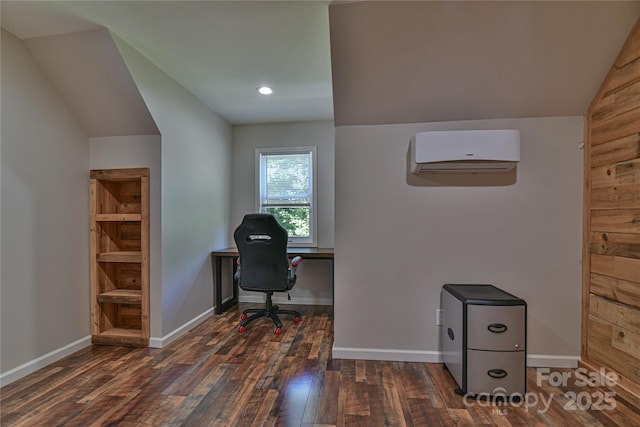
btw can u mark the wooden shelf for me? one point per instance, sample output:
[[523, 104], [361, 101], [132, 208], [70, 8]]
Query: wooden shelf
[[119, 217], [118, 175], [121, 336], [121, 296], [120, 256], [121, 332]]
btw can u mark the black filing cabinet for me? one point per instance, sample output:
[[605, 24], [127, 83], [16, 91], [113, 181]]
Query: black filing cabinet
[[483, 339]]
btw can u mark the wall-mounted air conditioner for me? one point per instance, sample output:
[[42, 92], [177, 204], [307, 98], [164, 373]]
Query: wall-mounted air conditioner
[[465, 151]]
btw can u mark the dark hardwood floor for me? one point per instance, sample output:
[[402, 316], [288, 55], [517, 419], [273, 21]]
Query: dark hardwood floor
[[216, 376]]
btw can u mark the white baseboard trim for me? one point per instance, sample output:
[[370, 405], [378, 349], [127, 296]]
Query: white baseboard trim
[[42, 361], [385, 354], [175, 334], [552, 361], [259, 299], [533, 360]]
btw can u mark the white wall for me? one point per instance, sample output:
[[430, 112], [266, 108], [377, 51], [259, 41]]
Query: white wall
[[196, 159], [139, 151], [44, 219], [89, 72], [399, 239], [314, 276]]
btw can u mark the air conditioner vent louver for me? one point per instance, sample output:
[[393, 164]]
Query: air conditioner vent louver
[[467, 151]]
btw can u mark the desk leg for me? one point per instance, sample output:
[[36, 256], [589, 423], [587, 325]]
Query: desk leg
[[333, 288], [218, 285], [221, 306], [235, 282]]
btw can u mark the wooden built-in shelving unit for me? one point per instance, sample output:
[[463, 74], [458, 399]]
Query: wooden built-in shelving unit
[[120, 256]]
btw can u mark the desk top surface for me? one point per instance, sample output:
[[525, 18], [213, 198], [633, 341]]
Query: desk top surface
[[304, 252]]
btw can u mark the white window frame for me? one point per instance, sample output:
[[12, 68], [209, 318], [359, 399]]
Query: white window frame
[[312, 240]]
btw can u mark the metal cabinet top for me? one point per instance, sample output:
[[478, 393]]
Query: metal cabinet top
[[482, 295]]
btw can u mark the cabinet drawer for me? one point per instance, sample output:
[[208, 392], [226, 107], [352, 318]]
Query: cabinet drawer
[[493, 327], [492, 372]]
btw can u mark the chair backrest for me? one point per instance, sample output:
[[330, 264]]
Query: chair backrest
[[262, 244]]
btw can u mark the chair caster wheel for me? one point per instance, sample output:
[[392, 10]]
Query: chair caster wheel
[[242, 328], [243, 316], [297, 319], [277, 331]]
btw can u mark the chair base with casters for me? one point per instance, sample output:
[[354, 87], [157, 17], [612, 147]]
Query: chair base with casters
[[271, 311]]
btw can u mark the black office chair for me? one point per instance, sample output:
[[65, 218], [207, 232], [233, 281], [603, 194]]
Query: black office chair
[[263, 265]]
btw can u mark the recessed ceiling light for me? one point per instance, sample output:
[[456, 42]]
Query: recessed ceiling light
[[265, 90]]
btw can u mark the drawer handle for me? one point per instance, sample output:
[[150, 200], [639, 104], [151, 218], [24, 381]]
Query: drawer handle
[[497, 328], [450, 333], [497, 373]]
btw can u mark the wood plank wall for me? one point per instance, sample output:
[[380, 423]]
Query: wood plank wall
[[611, 244]]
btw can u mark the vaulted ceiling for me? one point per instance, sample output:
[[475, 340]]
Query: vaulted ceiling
[[403, 62], [366, 62]]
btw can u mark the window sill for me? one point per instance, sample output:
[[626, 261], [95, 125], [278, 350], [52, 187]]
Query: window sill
[[301, 245]]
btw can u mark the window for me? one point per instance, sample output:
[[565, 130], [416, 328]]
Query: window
[[286, 186]]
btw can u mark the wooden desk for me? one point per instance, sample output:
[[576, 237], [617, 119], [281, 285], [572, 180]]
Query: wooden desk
[[219, 255]]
